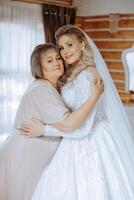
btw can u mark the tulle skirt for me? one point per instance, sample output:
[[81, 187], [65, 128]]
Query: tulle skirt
[[97, 167]]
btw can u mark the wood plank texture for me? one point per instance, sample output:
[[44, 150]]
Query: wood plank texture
[[114, 45], [111, 45], [106, 34], [56, 2]]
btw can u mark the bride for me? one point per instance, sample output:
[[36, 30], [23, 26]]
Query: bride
[[95, 161]]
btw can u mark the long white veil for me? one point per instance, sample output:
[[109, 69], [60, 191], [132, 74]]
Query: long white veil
[[113, 106]]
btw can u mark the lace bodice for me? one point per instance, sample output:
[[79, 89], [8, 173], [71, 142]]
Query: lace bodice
[[78, 91], [75, 93]]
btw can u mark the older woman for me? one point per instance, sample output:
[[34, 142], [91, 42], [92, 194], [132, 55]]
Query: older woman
[[22, 160]]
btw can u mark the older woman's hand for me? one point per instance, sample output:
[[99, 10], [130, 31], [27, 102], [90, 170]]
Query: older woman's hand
[[33, 128]]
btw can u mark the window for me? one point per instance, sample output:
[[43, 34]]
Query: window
[[21, 30]]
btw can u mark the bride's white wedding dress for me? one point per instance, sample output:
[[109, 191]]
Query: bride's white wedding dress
[[97, 165]]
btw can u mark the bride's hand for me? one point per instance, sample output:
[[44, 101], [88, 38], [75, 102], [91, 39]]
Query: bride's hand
[[34, 128], [97, 87]]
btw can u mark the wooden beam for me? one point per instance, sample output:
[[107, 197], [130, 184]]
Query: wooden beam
[[125, 97], [86, 18], [120, 86], [96, 24], [115, 65], [111, 55], [126, 23], [106, 34], [67, 3], [114, 45], [117, 75]]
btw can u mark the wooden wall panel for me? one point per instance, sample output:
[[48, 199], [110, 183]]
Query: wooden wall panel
[[56, 2], [110, 44], [113, 44], [126, 23], [96, 24], [107, 55], [114, 65], [79, 21], [119, 85], [124, 34], [117, 75]]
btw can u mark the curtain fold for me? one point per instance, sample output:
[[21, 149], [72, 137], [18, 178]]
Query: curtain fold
[[21, 29], [55, 17]]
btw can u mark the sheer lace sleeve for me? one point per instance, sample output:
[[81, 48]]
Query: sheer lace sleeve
[[82, 89]]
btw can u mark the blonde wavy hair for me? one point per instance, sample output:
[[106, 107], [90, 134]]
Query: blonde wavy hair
[[87, 59]]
